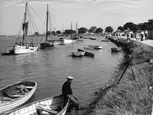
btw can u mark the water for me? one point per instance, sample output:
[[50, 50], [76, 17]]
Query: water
[[49, 68]]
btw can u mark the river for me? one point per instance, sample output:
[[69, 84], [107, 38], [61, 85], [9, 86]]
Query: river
[[49, 68]]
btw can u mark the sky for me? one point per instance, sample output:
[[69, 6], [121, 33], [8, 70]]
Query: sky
[[86, 13]]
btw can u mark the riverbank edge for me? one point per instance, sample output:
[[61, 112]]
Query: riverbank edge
[[111, 99]]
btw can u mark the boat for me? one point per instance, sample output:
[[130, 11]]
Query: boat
[[115, 50], [22, 47], [96, 47], [48, 106], [8, 52], [93, 47], [79, 53], [105, 40], [92, 38], [16, 94], [89, 54], [47, 43], [65, 41]]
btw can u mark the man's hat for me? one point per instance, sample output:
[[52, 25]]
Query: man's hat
[[70, 77]]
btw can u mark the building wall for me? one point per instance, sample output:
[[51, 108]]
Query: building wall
[[150, 34]]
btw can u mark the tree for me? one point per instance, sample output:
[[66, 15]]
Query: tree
[[58, 32], [131, 26], [109, 29], [69, 31], [120, 28], [53, 32], [92, 29], [36, 33], [48, 33], [99, 30], [82, 30]]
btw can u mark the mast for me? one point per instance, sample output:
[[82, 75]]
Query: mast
[[71, 26], [47, 23], [24, 22], [76, 27]]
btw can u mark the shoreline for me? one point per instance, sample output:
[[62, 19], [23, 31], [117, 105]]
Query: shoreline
[[131, 94]]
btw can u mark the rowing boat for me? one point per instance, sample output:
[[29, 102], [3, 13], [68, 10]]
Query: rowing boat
[[79, 53], [16, 94], [48, 106]]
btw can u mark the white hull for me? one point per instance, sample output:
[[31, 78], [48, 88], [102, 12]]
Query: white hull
[[90, 47], [78, 54], [53, 102], [6, 106], [67, 41], [19, 49]]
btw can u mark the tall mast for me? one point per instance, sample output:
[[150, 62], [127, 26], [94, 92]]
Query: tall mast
[[47, 23], [71, 26], [76, 27], [25, 17]]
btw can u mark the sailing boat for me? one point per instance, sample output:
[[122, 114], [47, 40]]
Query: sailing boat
[[47, 43], [22, 48]]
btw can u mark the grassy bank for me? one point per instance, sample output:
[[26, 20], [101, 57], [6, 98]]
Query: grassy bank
[[131, 93]]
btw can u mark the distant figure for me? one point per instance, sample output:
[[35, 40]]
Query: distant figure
[[68, 94], [137, 36], [142, 35], [129, 35], [146, 34]]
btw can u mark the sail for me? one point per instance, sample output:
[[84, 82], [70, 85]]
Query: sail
[[25, 28]]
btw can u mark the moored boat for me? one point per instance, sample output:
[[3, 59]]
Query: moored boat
[[8, 52], [92, 38], [79, 53], [105, 40], [96, 47], [115, 50], [16, 94], [89, 54], [47, 43], [93, 47], [65, 41], [48, 106], [22, 47]]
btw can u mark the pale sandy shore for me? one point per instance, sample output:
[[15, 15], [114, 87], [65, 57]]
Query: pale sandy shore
[[148, 42]]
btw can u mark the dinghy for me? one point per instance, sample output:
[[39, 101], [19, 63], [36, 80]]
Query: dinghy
[[16, 94], [79, 53], [48, 106]]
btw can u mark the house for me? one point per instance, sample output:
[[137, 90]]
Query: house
[[150, 29]]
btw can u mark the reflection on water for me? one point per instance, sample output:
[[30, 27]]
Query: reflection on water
[[49, 69]]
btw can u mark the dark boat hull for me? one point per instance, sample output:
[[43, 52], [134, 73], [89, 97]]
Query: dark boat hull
[[46, 45], [8, 52]]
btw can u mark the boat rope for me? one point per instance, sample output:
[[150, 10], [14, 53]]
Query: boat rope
[[128, 63], [36, 14], [54, 18], [32, 22]]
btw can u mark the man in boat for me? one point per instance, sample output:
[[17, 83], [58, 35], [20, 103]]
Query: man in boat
[[22, 89], [68, 94]]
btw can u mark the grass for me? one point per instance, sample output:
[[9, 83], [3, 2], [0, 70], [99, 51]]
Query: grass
[[132, 95]]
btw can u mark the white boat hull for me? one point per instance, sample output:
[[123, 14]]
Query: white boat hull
[[19, 49], [67, 41], [9, 105], [78, 54], [53, 102], [90, 47]]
